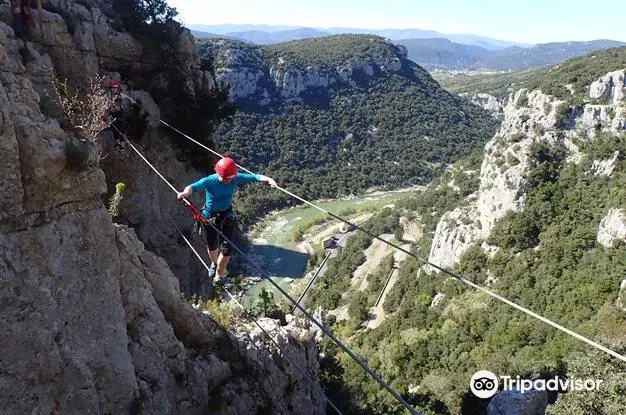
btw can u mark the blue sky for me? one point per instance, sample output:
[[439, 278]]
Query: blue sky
[[524, 21]]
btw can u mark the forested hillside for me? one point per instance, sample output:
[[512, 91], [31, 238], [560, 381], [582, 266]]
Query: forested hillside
[[577, 72], [339, 115], [560, 251]]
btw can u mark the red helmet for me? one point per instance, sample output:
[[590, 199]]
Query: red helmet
[[226, 168], [115, 84]]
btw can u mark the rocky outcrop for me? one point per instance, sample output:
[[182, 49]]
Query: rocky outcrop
[[608, 112], [604, 117], [528, 116], [455, 232], [185, 361], [106, 330], [436, 300], [488, 102], [514, 402], [242, 69], [292, 82], [612, 227], [27, 78], [92, 321], [296, 356], [502, 177], [604, 168], [245, 69], [610, 88], [64, 337], [621, 298]]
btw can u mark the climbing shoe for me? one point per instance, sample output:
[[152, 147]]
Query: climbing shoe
[[222, 282], [212, 272]]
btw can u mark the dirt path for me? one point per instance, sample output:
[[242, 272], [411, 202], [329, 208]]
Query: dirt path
[[378, 312], [311, 239], [374, 255], [341, 313]]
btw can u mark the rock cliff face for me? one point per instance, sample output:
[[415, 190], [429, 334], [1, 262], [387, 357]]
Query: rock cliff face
[[92, 321], [621, 298], [528, 116], [243, 69], [612, 227], [531, 402], [610, 88], [502, 172], [488, 102]]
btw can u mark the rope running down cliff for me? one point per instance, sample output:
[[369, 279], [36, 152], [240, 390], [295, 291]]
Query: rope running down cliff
[[255, 320], [426, 262], [325, 330]]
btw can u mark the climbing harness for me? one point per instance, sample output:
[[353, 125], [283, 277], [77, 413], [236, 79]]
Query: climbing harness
[[197, 216]]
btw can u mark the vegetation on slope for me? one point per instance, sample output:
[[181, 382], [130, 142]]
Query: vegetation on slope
[[577, 72], [548, 261], [329, 51], [499, 85], [391, 129]]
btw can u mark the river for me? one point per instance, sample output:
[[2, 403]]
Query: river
[[272, 237]]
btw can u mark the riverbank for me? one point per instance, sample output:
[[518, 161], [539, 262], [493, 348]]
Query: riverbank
[[286, 257]]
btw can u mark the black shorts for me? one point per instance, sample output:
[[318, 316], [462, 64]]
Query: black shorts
[[224, 221]]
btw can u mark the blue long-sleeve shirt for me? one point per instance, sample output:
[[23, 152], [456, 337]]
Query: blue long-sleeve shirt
[[219, 196]]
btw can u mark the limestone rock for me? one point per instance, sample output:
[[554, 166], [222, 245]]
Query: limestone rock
[[502, 176], [204, 80], [46, 180], [528, 116], [296, 358], [92, 321], [149, 205], [293, 82], [437, 299], [11, 189], [513, 402], [610, 88], [113, 46], [241, 67], [612, 227], [453, 237], [165, 290], [621, 298], [488, 102], [71, 52], [604, 117], [605, 167], [148, 106], [64, 338], [37, 64]]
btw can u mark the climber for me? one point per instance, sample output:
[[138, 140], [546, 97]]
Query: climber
[[115, 98], [23, 17], [220, 188], [115, 106]]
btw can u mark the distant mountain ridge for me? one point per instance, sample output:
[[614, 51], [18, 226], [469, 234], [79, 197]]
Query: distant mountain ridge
[[446, 55], [428, 48], [267, 38], [276, 34]]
